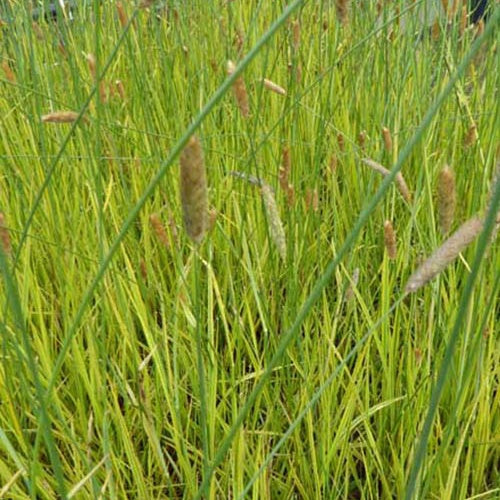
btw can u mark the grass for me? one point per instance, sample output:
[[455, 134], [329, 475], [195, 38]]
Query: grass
[[134, 367]]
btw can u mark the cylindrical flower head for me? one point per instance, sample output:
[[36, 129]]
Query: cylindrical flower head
[[193, 186]]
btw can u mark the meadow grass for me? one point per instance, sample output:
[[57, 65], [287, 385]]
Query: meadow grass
[[278, 355]]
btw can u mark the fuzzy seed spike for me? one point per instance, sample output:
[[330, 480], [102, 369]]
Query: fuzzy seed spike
[[60, 117], [193, 187], [445, 254], [386, 134], [273, 217], [273, 87], [390, 240], [400, 181]]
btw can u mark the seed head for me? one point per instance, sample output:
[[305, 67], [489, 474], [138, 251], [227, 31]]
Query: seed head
[[285, 168], [296, 35], [193, 187], [386, 134], [92, 65], [122, 15], [273, 217], [400, 181], [290, 195], [362, 139], [353, 283], [121, 89], [390, 240], [445, 254], [312, 200], [273, 87], [341, 141], [5, 236], [60, 117], [9, 74], [343, 10], [159, 230], [471, 136], [239, 91]]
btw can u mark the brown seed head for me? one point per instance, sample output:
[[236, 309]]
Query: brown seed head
[[343, 10], [273, 87], [239, 91], [5, 242], [312, 200], [91, 62], [446, 198], [121, 89], [390, 240], [285, 168], [471, 136], [143, 270], [122, 15], [362, 139], [386, 134], [341, 141], [436, 30], [103, 91], [159, 230], [296, 35], [60, 117], [193, 187], [9, 74]]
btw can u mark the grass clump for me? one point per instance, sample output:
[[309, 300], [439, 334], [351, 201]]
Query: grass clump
[[138, 363]]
